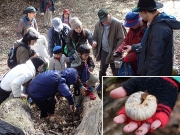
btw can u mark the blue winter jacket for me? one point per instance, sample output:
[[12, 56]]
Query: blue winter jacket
[[48, 83]]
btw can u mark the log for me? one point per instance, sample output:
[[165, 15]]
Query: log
[[91, 123], [16, 112]]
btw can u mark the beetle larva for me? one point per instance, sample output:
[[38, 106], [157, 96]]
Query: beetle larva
[[140, 106]]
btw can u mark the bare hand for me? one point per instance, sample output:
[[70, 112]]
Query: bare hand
[[36, 55], [73, 108], [82, 90], [132, 126], [91, 69], [128, 49], [94, 44]]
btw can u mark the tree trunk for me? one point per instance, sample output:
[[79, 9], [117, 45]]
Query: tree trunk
[[16, 111], [91, 123]]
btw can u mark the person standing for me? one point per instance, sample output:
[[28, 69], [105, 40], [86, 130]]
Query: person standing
[[57, 35], [108, 34], [46, 8], [134, 36], [156, 55], [66, 17], [27, 21]]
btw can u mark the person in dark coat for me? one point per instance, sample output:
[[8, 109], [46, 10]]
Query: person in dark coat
[[44, 87], [57, 35], [156, 55]]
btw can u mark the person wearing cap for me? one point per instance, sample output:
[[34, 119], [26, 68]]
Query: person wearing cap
[[57, 35], [78, 35], [134, 36], [19, 75], [44, 87], [109, 34], [66, 17], [46, 9], [59, 60], [156, 55], [27, 21]]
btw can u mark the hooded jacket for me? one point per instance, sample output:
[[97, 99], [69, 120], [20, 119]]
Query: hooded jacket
[[156, 57], [17, 76], [48, 83]]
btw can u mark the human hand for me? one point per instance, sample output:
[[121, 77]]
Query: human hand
[[116, 54], [94, 44], [161, 89], [91, 69], [24, 96], [82, 90], [36, 55], [72, 108], [127, 50]]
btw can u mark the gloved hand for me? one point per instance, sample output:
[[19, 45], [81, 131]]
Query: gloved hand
[[164, 89], [116, 54], [71, 58]]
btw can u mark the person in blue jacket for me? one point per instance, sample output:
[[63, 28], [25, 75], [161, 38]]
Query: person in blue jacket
[[44, 86]]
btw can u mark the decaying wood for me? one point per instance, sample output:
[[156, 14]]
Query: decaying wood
[[16, 111], [91, 123]]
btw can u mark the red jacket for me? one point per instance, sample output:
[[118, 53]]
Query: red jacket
[[130, 39]]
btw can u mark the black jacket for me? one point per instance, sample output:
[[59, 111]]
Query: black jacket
[[156, 55]]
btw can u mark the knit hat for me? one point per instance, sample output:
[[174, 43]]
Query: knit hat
[[65, 11], [37, 61], [70, 74], [30, 9], [57, 49], [57, 24], [75, 22]]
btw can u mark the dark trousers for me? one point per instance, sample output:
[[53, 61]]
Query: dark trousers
[[4, 95], [104, 66], [46, 106]]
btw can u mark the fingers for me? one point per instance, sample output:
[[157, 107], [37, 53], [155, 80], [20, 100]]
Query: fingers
[[120, 119], [118, 93], [130, 127], [155, 124], [143, 129]]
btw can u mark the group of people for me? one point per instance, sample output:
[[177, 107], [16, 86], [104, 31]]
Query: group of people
[[147, 46]]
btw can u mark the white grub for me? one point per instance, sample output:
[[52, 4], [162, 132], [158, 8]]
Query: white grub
[[140, 108]]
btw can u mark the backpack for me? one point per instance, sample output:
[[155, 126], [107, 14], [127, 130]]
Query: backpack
[[11, 60]]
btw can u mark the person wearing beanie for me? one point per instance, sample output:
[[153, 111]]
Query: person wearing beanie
[[57, 35], [46, 9], [165, 89], [86, 80], [59, 60], [19, 75], [27, 21], [66, 17], [134, 36], [109, 34], [78, 35], [44, 87]]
